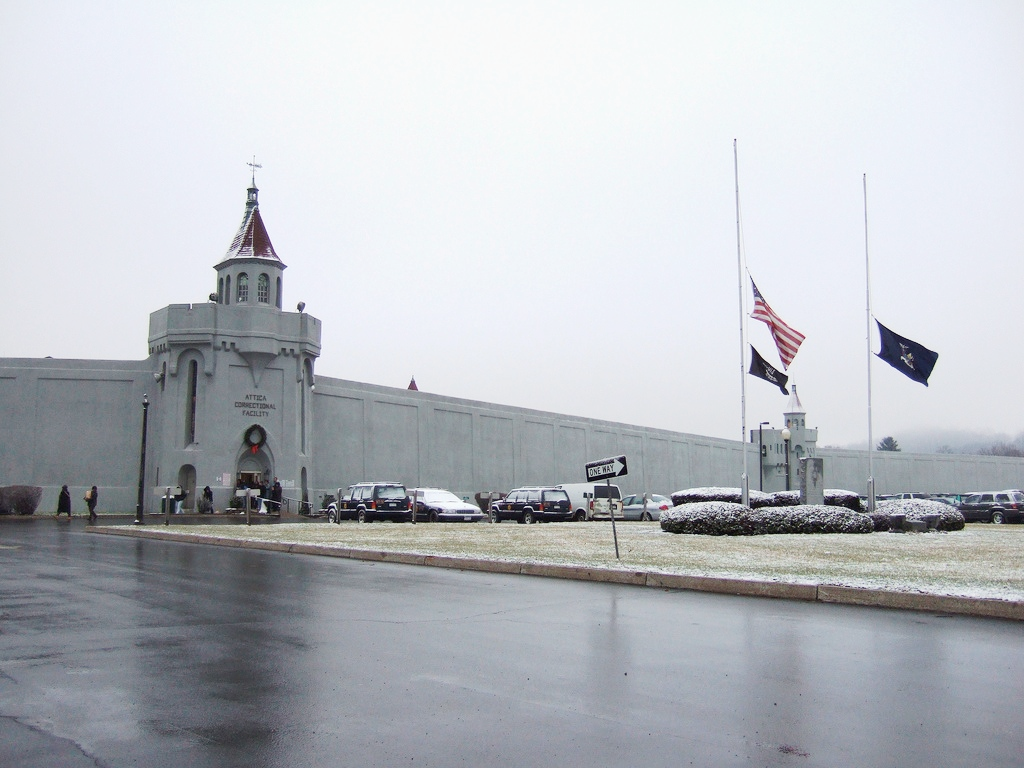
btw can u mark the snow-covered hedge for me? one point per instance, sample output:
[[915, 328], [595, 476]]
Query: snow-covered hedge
[[950, 518], [723, 518], [833, 498]]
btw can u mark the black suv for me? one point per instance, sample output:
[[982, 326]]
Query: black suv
[[995, 507], [530, 505], [369, 501]]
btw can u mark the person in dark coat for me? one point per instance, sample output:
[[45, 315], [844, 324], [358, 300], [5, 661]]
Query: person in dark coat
[[64, 502], [92, 496], [207, 503], [275, 494]]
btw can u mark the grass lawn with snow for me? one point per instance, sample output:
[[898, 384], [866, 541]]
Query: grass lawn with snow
[[980, 561]]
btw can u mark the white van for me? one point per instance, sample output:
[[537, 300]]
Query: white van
[[590, 500]]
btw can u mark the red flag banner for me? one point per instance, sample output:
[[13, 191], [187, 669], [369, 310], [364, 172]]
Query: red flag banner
[[787, 339]]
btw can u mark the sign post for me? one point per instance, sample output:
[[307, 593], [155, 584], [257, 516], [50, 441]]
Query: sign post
[[606, 469]]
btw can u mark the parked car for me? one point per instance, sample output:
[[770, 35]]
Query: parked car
[[994, 507], [533, 504], [591, 501], [634, 508], [367, 502], [436, 505]]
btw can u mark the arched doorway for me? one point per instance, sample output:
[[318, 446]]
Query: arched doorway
[[187, 481], [254, 468]]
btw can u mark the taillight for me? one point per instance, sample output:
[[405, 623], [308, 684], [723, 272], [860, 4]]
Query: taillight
[[591, 505], [373, 505], [663, 507], [540, 507]]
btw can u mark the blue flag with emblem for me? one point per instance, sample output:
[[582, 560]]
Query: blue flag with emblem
[[908, 357]]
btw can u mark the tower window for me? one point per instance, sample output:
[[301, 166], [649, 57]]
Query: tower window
[[243, 288], [277, 299], [263, 289], [220, 290], [190, 405]]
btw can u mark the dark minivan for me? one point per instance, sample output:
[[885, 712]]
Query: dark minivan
[[533, 505]]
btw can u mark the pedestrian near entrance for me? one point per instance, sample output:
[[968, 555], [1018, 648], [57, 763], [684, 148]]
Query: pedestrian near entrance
[[64, 502], [206, 505], [275, 494], [92, 496]]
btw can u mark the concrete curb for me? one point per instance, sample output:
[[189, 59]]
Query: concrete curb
[[808, 592]]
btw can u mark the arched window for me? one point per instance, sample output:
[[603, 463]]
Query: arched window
[[263, 289], [243, 288], [227, 290], [277, 299], [190, 402], [220, 290]]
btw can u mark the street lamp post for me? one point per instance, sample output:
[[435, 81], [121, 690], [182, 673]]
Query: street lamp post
[[760, 459], [786, 434], [142, 462]]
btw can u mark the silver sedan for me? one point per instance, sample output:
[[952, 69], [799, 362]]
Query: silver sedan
[[642, 506]]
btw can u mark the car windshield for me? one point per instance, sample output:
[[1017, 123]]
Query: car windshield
[[391, 492], [1018, 497], [429, 495]]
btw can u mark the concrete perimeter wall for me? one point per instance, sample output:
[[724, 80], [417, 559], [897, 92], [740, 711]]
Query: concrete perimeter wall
[[73, 421], [79, 422], [368, 432]]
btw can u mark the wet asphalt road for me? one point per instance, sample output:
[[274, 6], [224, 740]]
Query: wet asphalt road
[[121, 652]]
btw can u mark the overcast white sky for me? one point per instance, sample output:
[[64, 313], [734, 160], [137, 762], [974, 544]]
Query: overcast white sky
[[534, 203]]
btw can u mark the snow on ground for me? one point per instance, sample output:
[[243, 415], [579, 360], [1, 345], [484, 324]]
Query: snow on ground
[[980, 561]]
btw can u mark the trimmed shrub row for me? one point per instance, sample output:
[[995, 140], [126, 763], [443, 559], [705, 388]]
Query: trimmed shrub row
[[723, 518]]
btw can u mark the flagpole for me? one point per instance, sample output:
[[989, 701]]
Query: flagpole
[[867, 285], [744, 482]]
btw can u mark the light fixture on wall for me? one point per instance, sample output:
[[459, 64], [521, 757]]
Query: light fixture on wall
[[213, 297], [786, 435], [302, 306], [158, 376]]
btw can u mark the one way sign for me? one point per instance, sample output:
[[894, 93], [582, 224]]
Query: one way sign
[[605, 468]]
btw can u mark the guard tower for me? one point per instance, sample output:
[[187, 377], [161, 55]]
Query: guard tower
[[234, 378], [772, 446]]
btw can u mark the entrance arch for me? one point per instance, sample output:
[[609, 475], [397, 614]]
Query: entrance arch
[[254, 466], [187, 481]]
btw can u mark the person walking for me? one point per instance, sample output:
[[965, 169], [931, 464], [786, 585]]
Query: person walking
[[64, 502], [91, 497]]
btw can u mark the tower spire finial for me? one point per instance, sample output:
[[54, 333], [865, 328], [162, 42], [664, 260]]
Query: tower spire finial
[[254, 166]]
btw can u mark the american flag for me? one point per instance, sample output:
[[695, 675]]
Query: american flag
[[787, 339]]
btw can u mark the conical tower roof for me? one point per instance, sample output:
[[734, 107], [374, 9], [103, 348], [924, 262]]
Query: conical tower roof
[[795, 406], [252, 241]]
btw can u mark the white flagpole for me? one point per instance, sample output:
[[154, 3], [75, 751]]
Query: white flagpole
[[744, 482], [867, 284]]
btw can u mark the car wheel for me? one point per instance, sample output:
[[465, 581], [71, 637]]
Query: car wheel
[[997, 518], [646, 516], [361, 515], [528, 517], [580, 516], [332, 516], [432, 517]]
